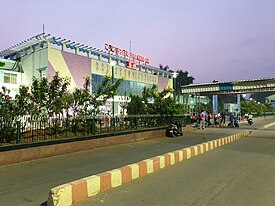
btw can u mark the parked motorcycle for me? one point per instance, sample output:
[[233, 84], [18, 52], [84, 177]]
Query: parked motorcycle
[[174, 130]]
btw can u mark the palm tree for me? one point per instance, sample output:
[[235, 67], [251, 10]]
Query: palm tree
[[182, 79], [165, 68]]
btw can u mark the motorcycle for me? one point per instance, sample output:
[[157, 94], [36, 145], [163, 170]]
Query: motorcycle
[[174, 130], [250, 121]]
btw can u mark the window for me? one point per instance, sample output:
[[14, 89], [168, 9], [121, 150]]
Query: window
[[10, 78]]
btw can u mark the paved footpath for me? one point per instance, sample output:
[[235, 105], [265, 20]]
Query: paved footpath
[[241, 173], [29, 183]]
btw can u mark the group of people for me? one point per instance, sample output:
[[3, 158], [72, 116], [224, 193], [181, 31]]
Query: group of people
[[203, 118], [220, 119]]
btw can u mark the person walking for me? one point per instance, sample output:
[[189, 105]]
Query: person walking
[[202, 122], [223, 118], [231, 119]]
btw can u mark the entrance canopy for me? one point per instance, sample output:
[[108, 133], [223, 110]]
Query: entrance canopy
[[235, 87]]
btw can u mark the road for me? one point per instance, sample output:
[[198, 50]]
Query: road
[[29, 183], [241, 174]]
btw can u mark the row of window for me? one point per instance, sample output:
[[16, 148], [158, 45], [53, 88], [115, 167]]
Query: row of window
[[127, 87], [10, 78]]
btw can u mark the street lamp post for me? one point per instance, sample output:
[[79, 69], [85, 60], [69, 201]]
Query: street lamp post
[[113, 63], [175, 74]]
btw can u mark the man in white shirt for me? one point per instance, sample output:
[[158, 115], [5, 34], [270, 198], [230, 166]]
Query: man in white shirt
[[202, 118]]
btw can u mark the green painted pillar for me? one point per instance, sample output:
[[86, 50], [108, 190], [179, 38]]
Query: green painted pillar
[[18, 139]]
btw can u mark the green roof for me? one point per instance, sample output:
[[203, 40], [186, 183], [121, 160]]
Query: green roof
[[11, 65]]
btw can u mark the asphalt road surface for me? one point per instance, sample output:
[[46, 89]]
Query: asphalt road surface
[[241, 174], [29, 183]]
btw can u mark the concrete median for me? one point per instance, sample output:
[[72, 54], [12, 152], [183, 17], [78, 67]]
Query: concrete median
[[76, 191], [266, 126]]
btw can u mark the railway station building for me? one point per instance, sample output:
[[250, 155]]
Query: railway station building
[[44, 55]]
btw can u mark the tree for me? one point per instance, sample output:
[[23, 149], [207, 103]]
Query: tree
[[182, 79], [80, 98], [260, 97], [86, 104], [152, 102], [2, 64], [49, 95], [57, 100], [106, 90], [148, 95], [39, 93], [124, 104], [53, 100], [8, 116], [165, 68], [164, 104], [136, 106], [23, 102], [253, 107]]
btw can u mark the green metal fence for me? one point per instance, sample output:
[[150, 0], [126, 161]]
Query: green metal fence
[[38, 129]]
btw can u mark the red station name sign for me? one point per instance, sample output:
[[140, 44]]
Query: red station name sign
[[125, 53]]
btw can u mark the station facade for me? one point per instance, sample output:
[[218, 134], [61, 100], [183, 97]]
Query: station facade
[[44, 55]]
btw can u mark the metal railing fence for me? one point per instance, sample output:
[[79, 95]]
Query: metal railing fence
[[38, 129]]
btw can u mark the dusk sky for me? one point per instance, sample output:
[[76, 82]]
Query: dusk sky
[[222, 40]]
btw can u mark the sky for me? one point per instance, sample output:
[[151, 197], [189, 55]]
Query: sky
[[223, 40]]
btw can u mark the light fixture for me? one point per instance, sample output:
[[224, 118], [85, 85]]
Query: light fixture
[[113, 63], [175, 74]]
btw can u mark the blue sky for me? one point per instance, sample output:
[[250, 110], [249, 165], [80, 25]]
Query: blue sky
[[221, 40]]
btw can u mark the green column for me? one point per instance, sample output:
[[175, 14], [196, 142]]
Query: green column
[[18, 124]]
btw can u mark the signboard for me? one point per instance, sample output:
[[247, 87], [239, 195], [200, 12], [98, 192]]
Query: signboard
[[104, 68], [215, 104], [226, 87], [125, 53], [239, 103], [132, 65]]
